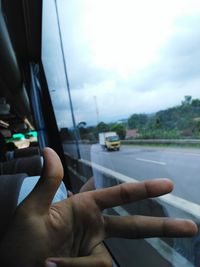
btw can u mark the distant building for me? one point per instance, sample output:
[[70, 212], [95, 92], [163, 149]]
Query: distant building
[[133, 133]]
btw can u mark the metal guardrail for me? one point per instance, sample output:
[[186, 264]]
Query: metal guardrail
[[161, 141], [188, 207], [143, 141], [182, 204]]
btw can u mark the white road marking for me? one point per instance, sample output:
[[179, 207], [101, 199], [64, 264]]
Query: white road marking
[[181, 153], [192, 154], [166, 251], [170, 199], [151, 161]]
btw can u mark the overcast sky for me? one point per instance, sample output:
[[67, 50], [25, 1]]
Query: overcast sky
[[125, 57]]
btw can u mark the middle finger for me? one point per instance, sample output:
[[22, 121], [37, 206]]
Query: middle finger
[[144, 227]]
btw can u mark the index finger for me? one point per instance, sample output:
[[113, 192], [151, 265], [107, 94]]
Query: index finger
[[130, 192]]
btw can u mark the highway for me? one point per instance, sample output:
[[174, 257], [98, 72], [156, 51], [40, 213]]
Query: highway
[[181, 165]]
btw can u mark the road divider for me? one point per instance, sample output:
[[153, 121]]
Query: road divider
[[161, 141], [151, 161], [170, 199]]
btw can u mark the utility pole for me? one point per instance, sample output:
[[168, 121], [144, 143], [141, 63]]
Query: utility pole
[[97, 110]]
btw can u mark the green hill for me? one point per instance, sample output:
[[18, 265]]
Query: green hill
[[177, 122]]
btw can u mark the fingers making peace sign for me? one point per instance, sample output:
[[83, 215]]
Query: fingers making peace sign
[[70, 232]]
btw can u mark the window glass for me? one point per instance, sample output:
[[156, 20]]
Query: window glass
[[53, 62], [133, 72]]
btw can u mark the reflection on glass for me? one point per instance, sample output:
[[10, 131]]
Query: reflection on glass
[[52, 59], [133, 69]]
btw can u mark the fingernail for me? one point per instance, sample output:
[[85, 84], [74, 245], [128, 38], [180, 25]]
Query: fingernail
[[50, 264]]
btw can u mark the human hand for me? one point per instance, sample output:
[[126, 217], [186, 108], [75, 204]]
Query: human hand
[[70, 232]]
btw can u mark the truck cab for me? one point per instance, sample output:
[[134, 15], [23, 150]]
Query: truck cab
[[109, 141]]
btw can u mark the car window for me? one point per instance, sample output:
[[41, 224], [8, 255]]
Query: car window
[[132, 70]]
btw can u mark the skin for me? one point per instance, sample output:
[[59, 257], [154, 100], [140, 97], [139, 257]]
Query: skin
[[70, 232]]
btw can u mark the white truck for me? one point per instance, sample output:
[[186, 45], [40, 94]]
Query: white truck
[[109, 141]]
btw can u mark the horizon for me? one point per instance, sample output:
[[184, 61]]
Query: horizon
[[146, 61], [117, 121]]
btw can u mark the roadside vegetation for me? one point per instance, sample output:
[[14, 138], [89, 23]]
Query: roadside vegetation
[[182, 121], [179, 122]]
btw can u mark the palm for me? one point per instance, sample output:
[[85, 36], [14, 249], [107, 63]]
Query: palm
[[81, 224]]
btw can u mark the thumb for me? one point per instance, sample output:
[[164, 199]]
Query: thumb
[[43, 193]]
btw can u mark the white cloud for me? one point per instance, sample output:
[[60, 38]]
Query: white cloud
[[115, 103], [134, 56]]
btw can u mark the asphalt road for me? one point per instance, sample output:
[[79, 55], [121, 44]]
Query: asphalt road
[[181, 165]]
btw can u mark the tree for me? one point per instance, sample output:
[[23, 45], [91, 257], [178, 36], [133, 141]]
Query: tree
[[187, 100], [119, 129], [65, 134], [195, 103], [81, 126], [103, 127], [137, 121]]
